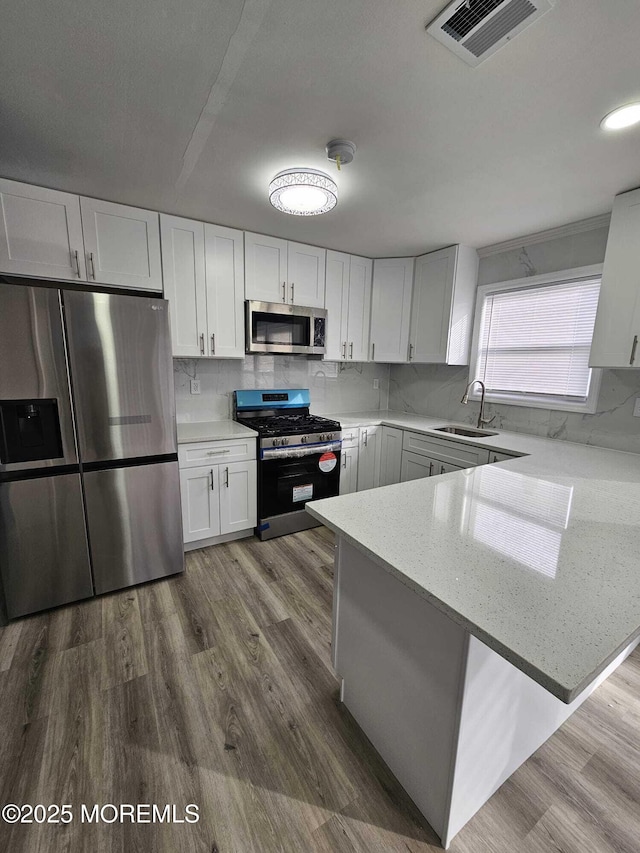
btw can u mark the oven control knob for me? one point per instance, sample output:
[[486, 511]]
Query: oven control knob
[[304, 439], [276, 442], [285, 441]]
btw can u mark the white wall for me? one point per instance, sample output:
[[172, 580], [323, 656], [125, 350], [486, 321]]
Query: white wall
[[437, 389], [334, 387]]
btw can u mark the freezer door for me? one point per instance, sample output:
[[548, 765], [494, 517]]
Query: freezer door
[[33, 366], [44, 558], [122, 375], [135, 524]]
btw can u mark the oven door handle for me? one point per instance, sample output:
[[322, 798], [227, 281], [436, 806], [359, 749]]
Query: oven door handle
[[299, 452]]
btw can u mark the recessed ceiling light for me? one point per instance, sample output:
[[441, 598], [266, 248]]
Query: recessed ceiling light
[[303, 192], [622, 117]]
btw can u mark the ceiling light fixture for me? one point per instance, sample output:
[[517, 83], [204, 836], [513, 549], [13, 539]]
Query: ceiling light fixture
[[303, 192], [622, 117]]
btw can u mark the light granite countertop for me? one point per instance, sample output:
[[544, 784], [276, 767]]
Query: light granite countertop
[[538, 556], [193, 432]]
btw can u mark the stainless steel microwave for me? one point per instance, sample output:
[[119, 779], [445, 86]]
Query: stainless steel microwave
[[280, 328]]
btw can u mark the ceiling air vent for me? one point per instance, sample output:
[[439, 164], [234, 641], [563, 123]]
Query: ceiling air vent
[[475, 29]]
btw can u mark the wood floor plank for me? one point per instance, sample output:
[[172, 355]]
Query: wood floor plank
[[195, 611], [9, 637], [76, 624], [235, 574], [125, 655]]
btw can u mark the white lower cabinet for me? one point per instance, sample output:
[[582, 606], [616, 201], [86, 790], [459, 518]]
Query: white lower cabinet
[[349, 470], [428, 456], [200, 492], [415, 466], [390, 455], [219, 499], [238, 496], [369, 457], [349, 461]]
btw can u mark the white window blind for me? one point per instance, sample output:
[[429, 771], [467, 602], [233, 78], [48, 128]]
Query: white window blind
[[536, 340]]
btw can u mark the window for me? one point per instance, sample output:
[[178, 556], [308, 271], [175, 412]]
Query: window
[[532, 339]]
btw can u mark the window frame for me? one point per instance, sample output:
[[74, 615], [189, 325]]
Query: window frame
[[532, 401]]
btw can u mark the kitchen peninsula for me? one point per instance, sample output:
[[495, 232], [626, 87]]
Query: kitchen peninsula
[[475, 611]]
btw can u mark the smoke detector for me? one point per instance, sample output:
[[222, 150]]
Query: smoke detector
[[341, 151], [475, 29]]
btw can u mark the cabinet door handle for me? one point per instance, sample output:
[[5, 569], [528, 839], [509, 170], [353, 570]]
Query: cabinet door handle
[[284, 291], [344, 349], [430, 468], [373, 352], [226, 477], [344, 461], [634, 346], [366, 437], [351, 350], [292, 293], [77, 262], [213, 344], [202, 344], [442, 469], [410, 351], [211, 475], [92, 265]]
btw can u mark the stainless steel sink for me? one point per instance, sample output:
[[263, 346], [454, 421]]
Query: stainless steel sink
[[468, 431]]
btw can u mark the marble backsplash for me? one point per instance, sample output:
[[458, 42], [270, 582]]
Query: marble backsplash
[[335, 387], [436, 390]]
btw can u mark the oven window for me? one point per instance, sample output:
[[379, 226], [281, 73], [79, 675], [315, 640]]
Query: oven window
[[283, 329]]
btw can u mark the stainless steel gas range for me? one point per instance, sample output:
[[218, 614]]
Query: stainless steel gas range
[[298, 457]]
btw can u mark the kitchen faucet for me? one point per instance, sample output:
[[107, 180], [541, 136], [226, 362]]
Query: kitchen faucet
[[482, 421]]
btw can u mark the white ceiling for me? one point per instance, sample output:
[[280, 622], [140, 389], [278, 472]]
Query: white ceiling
[[191, 106]]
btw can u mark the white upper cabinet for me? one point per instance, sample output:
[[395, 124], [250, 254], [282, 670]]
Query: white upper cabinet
[[280, 271], [204, 282], [265, 261], [40, 232], [183, 265], [359, 309], [348, 304], [442, 308], [225, 291], [391, 309], [305, 272], [617, 329], [122, 245], [337, 305]]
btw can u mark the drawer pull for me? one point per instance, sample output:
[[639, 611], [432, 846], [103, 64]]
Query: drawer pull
[[217, 452], [634, 346]]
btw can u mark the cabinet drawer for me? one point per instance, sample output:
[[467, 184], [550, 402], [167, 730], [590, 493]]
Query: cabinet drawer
[[496, 456], [213, 452], [350, 437], [461, 455]]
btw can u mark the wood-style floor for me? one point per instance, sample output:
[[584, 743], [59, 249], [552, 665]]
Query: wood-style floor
[[215, 688]]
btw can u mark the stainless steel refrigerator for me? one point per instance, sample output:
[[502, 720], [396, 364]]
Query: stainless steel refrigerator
[[89, 485]]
